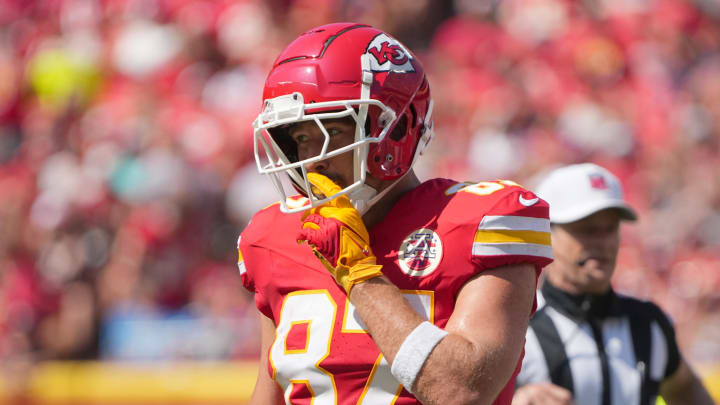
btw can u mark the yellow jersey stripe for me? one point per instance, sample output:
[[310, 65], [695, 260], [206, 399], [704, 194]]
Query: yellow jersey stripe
[[512, 236]]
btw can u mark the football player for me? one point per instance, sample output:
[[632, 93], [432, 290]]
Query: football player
[[372, 287]]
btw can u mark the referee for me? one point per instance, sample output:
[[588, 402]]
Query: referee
[[587, 345]]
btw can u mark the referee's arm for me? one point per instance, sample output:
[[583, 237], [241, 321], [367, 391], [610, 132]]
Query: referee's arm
[[684, 387]]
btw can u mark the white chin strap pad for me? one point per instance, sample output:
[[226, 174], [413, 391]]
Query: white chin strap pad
[[365, 196], [361, 198]]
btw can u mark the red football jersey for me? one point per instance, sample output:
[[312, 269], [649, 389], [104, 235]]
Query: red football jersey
[[432, 241]]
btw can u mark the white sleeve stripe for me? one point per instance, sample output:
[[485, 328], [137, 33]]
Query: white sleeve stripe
[[507, 249], [515, 223], [241, 267]]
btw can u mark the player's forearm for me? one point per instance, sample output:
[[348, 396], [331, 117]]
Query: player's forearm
[[457, 371], [386, 313]]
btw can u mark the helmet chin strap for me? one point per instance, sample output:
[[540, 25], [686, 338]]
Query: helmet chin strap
[[366, 196], [361, 198]]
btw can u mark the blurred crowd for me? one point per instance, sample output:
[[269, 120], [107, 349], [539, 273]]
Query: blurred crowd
[[127, 172]]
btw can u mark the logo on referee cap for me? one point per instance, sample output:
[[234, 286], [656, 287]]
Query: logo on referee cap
[[420, 253], [597, 181]]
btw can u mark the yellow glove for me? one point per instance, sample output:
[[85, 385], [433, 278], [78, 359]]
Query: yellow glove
[[338, 237]]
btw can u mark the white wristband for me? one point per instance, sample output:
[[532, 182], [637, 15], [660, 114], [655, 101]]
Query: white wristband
[[414, 351]]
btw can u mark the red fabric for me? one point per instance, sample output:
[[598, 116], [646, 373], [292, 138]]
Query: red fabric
[[291, 285]]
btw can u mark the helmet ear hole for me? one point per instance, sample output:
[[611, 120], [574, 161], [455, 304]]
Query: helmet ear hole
[[400, 129]]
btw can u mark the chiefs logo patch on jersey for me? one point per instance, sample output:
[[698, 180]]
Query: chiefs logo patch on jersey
[[420, 252], [387, 54]]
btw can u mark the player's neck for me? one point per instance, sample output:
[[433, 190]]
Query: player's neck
[[380, 209]]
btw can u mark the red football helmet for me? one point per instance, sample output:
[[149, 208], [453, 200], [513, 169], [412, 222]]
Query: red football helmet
[[345, 70]]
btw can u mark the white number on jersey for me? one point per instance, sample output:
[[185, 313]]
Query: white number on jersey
[[317, 310]]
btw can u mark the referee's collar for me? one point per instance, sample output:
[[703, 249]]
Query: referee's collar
[[582, 306]]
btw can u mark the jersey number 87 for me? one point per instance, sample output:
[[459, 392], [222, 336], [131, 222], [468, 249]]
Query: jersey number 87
[[318, 310]]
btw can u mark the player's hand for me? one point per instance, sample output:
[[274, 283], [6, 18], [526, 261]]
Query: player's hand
[[339, 237], [542, 394]]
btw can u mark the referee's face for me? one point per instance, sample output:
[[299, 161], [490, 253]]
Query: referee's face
[[586, 252]]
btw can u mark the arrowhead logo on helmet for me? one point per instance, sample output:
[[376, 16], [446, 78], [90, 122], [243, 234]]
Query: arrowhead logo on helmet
[[388, 54]]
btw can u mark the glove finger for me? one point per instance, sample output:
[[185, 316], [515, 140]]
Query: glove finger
[[342, 202], [328, 188], [314, 231], [328, 219], [320, 244], [323, 184], [311, 236], [315, 219], [316, 212]]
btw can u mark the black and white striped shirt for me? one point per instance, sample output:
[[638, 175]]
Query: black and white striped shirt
[[607, 350]]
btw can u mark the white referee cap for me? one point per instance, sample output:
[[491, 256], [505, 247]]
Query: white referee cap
[[577, 191]]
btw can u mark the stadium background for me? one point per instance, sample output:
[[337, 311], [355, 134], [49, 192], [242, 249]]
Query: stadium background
[[126, 168]]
